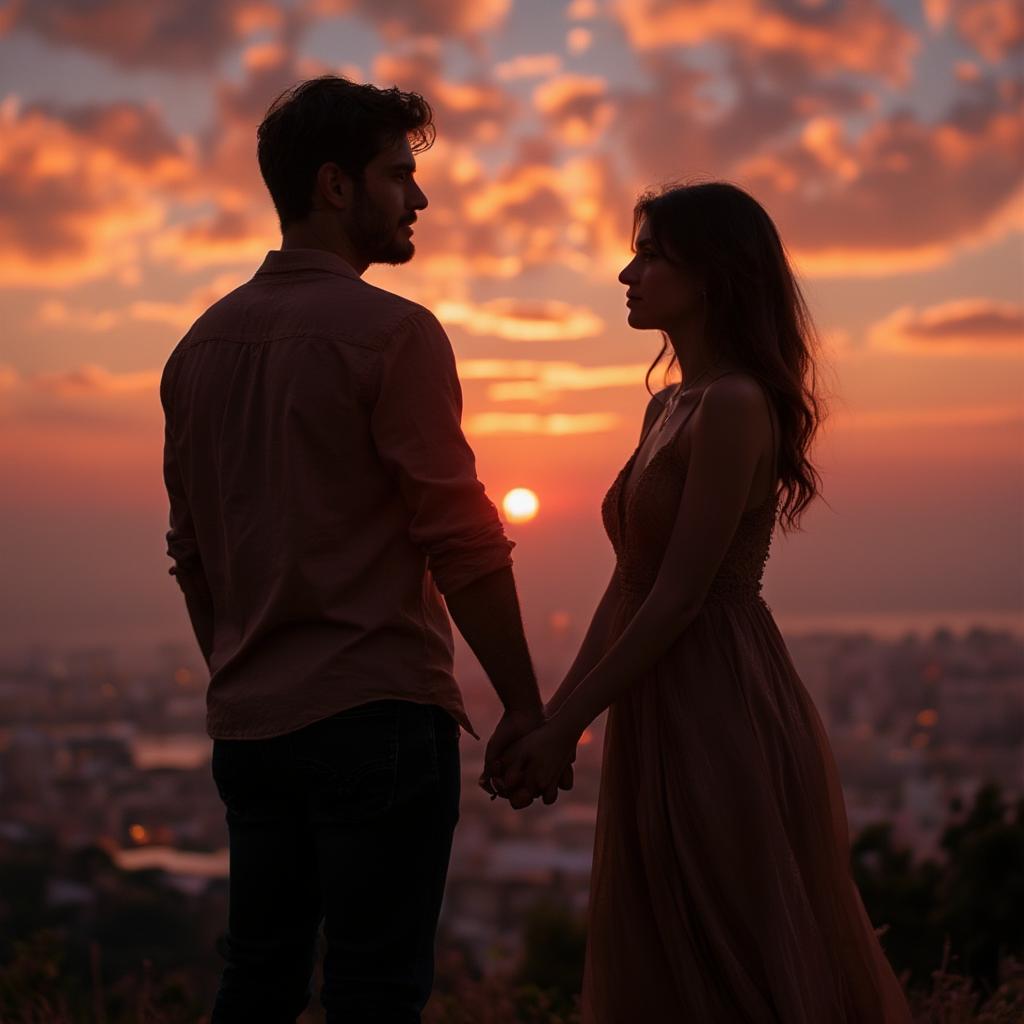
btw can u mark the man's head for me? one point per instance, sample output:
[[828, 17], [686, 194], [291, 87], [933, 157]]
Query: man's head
[[342, 154]]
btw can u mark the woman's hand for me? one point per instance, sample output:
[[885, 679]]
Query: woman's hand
[[539, 763]]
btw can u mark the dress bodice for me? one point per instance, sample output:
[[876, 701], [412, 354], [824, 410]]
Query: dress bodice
[[639, 523]]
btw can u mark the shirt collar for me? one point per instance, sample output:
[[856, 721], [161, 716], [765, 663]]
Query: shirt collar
[[289, 261]]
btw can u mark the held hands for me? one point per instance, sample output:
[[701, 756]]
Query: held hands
[[522, 764]]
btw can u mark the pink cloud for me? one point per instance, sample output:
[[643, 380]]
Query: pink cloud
[[398, 18], [78, 404], [176, 34], [962, 327], [858, 35]]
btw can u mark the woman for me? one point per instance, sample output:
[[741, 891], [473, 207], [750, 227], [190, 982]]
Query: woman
[[721, 890]]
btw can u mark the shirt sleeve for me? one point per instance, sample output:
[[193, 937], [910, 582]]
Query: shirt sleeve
[[416, 425], [184, 549], [181, 537]]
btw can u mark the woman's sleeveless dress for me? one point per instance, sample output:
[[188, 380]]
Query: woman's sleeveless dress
[[721, 890]]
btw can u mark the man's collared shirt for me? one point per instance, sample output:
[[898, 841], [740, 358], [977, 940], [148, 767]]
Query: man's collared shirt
[[323, 492]]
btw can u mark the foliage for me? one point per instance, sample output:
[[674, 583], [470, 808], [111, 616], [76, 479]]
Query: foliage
[[969, 910], [137, 953]]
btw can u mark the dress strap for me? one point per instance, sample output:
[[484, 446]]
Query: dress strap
[[771, 416]]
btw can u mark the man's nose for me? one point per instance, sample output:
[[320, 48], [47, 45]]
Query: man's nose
[[419, 198]]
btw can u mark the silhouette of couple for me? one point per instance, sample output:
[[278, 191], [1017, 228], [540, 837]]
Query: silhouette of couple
[[323, 500]]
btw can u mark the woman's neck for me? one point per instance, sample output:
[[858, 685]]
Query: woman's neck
[[695, 361]]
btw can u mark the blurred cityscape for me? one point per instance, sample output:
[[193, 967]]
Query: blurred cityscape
[[97, 749]]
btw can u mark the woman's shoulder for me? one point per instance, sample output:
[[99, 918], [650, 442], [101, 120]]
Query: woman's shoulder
[[737, 400], [738, 390]]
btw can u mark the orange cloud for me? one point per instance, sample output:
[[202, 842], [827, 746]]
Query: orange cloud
[[576, 106], [582, 10], [853, 204], [578, 40], [398, 18], [540, 381], [528, 65], [536, 210], [522, 320], [83, 189], [995, 28], [476, 109], [709, 132], [55, 313], [962, 327], [95, 380], [541, 424], [859, 35], [229, 236]]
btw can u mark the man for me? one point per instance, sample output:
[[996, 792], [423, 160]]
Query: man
[[322, 498]]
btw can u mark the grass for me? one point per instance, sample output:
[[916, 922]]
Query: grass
[[34, 989]]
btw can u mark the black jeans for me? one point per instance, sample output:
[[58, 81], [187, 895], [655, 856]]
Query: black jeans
[[349, 821]]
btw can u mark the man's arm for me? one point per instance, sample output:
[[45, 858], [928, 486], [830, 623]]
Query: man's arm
[[416, 425], [487, 614], [183, 549]]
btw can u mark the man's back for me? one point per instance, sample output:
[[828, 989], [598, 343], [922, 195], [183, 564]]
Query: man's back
[[316, 469]]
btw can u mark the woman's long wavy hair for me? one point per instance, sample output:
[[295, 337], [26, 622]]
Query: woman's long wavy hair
[[756, 315]]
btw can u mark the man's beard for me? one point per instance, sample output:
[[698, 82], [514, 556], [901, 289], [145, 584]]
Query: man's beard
[[375, 236]]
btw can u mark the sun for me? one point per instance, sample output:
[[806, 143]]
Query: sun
[[520, 505]]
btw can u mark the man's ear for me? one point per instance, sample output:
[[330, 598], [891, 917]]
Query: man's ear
[[333, 186]]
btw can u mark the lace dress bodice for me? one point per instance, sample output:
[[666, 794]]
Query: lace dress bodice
[[639, 523]]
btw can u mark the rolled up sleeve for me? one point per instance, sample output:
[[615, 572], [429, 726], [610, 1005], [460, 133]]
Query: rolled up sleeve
[[416, 425]]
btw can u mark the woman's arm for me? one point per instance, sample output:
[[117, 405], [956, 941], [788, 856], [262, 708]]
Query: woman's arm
[[727, 440], [595, 641], [591, 649]]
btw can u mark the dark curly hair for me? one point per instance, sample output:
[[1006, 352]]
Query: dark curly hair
[[756, 315], [332, 120]]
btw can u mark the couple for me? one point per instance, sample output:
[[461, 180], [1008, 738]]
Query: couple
[[323, 500]]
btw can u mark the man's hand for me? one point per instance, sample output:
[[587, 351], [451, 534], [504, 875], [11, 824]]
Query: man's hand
[[513, 726], [539, 764]]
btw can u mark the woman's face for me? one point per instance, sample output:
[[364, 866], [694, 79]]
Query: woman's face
[[659, 293]]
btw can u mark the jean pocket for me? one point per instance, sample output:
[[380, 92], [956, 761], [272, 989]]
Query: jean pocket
[[349, 765], [249, 779]]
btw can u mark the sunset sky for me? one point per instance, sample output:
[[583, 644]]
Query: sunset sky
[[885, 138]]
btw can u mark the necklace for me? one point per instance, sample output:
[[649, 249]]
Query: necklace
[[682, 389]]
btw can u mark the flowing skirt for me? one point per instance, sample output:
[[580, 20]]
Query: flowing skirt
[[721, 890]]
